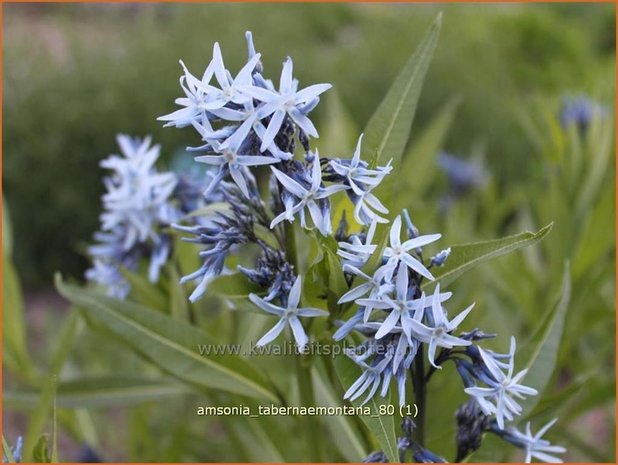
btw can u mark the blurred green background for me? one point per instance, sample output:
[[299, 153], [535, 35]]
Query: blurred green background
[[75, 75]]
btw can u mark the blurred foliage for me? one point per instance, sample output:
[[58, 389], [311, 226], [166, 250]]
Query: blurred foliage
[[75, 75]]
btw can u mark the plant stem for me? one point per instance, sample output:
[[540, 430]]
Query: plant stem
[[420, 395], [290, 245], [307, 398]]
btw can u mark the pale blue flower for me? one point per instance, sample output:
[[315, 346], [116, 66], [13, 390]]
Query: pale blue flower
[[308, 198], [357, 252], [287, 101], [436, 331], [356, 171], [137, 195], [580, 111], [108, 275], [229, 88], [365, 207], [374, 286], [231, 162], [194, 102], [497, 397], [373, 375], [289, 316], [534, 445], [397, 252]]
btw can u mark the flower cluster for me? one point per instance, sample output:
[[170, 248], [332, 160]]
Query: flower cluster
[[138, 203], [246, 122], [401, 323]]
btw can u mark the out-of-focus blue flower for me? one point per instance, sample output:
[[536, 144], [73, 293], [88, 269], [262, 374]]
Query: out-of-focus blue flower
[[287, 101], [137, 195], [289, 316], [580, 111], [534, 445], [308, 197], [108, 275], [397, 252], [497, 397], [463, 175], [138, 202], [436, 331]]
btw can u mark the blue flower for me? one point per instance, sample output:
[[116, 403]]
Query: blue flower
[[138, 202], [580, 111], [357, 252], [287, 101], [463, 175], [497, 397], [307, 197], [534, 445], [289, 316], [362, 180], [373, 375], [437, 329], [397, 252], [230, 161]]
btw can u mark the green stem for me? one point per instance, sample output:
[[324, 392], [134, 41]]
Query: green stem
[[291, 252], [420, 387], [307, 398]]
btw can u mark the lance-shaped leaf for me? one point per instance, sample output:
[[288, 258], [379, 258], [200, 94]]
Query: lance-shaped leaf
[[466, 256], [170, 344], [388, 130]]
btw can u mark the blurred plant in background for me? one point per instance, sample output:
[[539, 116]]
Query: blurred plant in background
[[536, 157]]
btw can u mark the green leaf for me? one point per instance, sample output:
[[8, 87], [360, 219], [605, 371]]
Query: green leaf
[[64, 342], [7, 451], [170, 344], [145, 292], [179, 304], [16, 353], [382, 426], [233, 285], [337, 137], [542, 349], [345, 436], [102, 391], [388, 130], [467, 256], [418, 164]]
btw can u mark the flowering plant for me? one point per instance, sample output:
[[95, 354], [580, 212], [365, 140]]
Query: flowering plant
[[291, 244]]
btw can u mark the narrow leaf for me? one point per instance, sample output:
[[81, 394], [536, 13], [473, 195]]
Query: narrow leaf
[[170, 344], [466, 256], [544, 346], [345, 436], [388, 130]]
